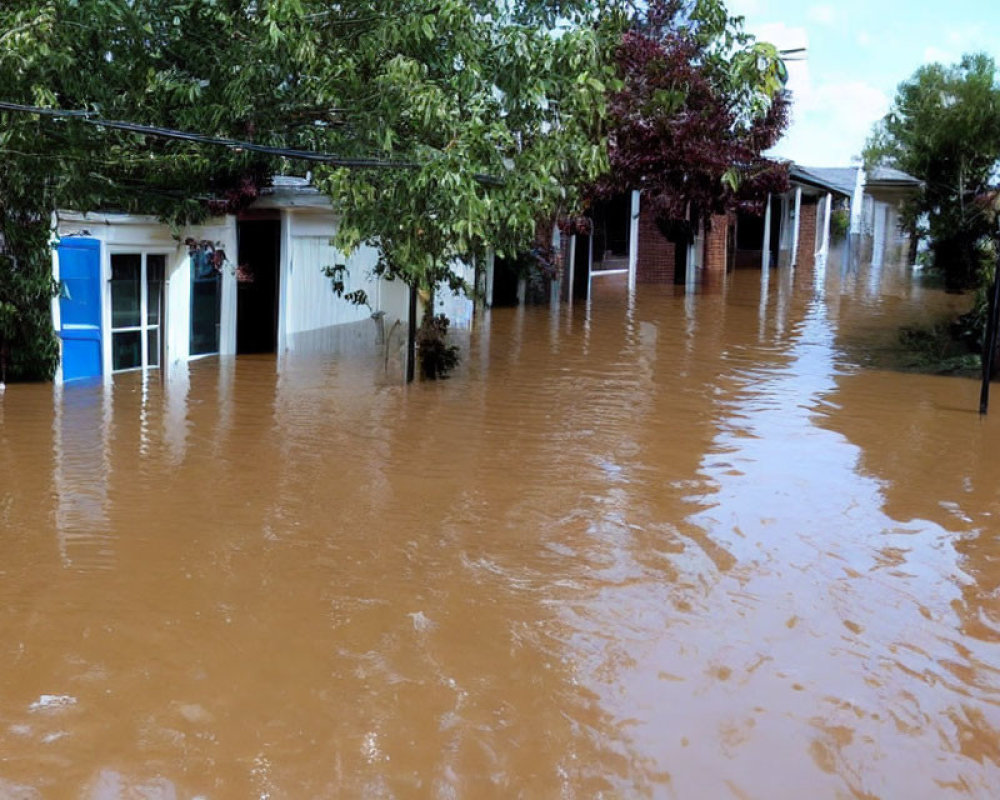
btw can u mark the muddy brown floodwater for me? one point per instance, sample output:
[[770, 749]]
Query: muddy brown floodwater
[[690, 546]]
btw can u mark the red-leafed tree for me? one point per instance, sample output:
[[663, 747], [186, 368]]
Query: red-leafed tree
[[699, 102]]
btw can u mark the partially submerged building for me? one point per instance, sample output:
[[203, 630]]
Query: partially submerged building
[[796, 228], [139, 294]]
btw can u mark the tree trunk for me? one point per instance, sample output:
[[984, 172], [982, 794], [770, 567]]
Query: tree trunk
[[411, 339]]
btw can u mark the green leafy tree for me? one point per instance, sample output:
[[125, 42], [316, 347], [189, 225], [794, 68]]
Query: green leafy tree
[[489, 117], [190, 65], [700, 100], [498, 106], [944, 128], [490, 113]]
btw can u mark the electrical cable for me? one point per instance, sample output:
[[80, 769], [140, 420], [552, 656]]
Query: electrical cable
[[233, 144]]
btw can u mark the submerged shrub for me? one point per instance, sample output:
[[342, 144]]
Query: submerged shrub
[[436, 357]]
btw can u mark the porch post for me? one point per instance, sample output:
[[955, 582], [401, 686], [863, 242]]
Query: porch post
[[858, 201], [765, 256], [284, 275], [633, 241], [490, 264], [795, 225], [56, 309], [590, 261], [825, 247], [570, 271]]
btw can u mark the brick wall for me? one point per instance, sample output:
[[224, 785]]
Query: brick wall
[[807, 232], [655, 262], [715, 244]]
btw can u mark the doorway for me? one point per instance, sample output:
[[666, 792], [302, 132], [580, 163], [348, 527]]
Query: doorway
[[136, 287], [258, 254]]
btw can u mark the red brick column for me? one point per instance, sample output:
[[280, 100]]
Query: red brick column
[[655, 262], [807, 232], [715, 244]]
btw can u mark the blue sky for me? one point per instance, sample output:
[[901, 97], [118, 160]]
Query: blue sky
[[858, 52]]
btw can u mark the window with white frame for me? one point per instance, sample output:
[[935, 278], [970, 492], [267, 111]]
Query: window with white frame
[[136, 310]]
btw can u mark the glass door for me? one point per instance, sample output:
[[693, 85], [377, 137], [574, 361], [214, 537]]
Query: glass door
[[136, 310], [206, 306]]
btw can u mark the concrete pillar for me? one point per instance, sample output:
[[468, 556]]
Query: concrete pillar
[[765, 255], [56, 310], [858, 201], [633, 243], [570, 271], [590, 262], [490, 264], [795, 225], [284, 282], [828, 211]]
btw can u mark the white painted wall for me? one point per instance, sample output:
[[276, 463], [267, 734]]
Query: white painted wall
[[306, 302], [311, 303], [457, 307], [127, 233]]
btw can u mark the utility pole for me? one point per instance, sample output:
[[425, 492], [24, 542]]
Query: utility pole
[[990, 345]]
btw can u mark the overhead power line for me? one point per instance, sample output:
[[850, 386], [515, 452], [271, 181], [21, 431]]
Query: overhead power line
[[233, 144], [200, 138]]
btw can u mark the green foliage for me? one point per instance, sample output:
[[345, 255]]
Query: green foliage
[[944, 128], [338, 275], [700, 100], [937, 348], [840, 223], [499, 105], [196, 65], [437, 358], [498, 109], [28, 346]]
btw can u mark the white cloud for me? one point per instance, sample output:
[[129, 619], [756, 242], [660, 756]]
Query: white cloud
[[823, 14], [968, 38], [956, 42], [864, 39], [831, 118], [934, 53], [781, 35], [744, 8], [831, 121]]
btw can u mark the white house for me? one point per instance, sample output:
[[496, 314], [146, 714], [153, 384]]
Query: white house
[[141, 295]]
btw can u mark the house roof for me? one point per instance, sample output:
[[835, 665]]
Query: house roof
[[839, 180], [842, 180], [290, 191], [887, 176]]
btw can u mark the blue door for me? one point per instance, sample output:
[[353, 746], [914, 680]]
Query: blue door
[[80, 308]]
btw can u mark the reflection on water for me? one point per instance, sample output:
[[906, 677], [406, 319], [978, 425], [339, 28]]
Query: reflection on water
[[675, 545]]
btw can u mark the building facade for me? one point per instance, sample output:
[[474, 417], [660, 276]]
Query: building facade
[[139, 295]]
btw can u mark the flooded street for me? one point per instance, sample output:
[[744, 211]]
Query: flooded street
[[690, 546]]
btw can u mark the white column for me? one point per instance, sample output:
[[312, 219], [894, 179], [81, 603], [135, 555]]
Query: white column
[[765, 255], [825, 246], [284, 276], [555, 286], [795, 225], [633, 244], [56, 310], [106, 351], [858, 201], [878, 237], [490, 264], [590, 261], [570, 271]]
